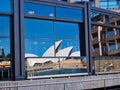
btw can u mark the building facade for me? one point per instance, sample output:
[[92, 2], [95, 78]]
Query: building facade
[[113, 5], [43, 38]]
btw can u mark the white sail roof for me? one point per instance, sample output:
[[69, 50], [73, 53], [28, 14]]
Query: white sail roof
[[50, 50], [64, 52]]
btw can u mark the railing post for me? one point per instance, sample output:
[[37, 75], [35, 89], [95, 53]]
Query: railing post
[[64, 85], [104, 85]]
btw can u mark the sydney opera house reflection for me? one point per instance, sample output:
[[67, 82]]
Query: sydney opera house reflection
[[65, 62]]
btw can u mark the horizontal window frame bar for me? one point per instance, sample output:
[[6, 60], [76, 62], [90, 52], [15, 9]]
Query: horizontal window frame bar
[[52, 18], [5, 14], [57, 3], [4, 36], [105, 11], [32, 38], [4, 59], [105, 25]]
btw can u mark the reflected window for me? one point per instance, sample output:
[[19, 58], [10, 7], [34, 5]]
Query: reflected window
[[38, 9], [110, 4], [118, 22], [5, 5], [110, 33], [67, 13], [112, 45], [117, 31], [65, 30]]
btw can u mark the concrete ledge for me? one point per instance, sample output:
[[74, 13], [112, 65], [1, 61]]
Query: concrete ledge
[[70, 83]]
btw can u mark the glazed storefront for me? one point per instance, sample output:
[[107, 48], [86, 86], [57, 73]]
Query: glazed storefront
[[44, 38], [40, 38]]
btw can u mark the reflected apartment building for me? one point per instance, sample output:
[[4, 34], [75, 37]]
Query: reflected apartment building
[[50, 38], [106, 40]]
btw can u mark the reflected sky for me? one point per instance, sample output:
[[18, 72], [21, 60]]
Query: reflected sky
[[69, 43], [40, 35], [38, 9], [5, 44], [52, 11], [4, 26], [71, 30], [37, 47], [5, 32], [5, 5], [68, 13], [38, 28]]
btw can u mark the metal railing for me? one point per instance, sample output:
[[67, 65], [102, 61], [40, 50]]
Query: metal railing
[[70, 85]]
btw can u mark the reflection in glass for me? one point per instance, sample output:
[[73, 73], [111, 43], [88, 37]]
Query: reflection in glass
[[67, 30], [39, 48], [112, 45], [38, 9], [5, 46], [68, 13], [5, 5], [4, 26], [38, 28], [110, 32], [104, 19], [118, 21], [106, 64], [5, 61], [68, 49], [110, 4], [52, 66]]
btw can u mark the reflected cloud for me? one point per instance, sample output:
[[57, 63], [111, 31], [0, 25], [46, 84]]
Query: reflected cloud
[[43, 42], [51, 14], [35, 43], [31, 12]]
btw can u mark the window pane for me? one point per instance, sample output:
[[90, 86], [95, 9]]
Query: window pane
[[68, 13], [38, 9], [5, 5], [4, 26], [4, 48], [39, 48], [38, 28], [68, 48], [64, 30], [52, 66]]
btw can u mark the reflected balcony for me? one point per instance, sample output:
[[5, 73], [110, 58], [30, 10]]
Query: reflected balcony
[[113, 52], [96, 53], [94, 30], [110, 38], [95, 41]]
